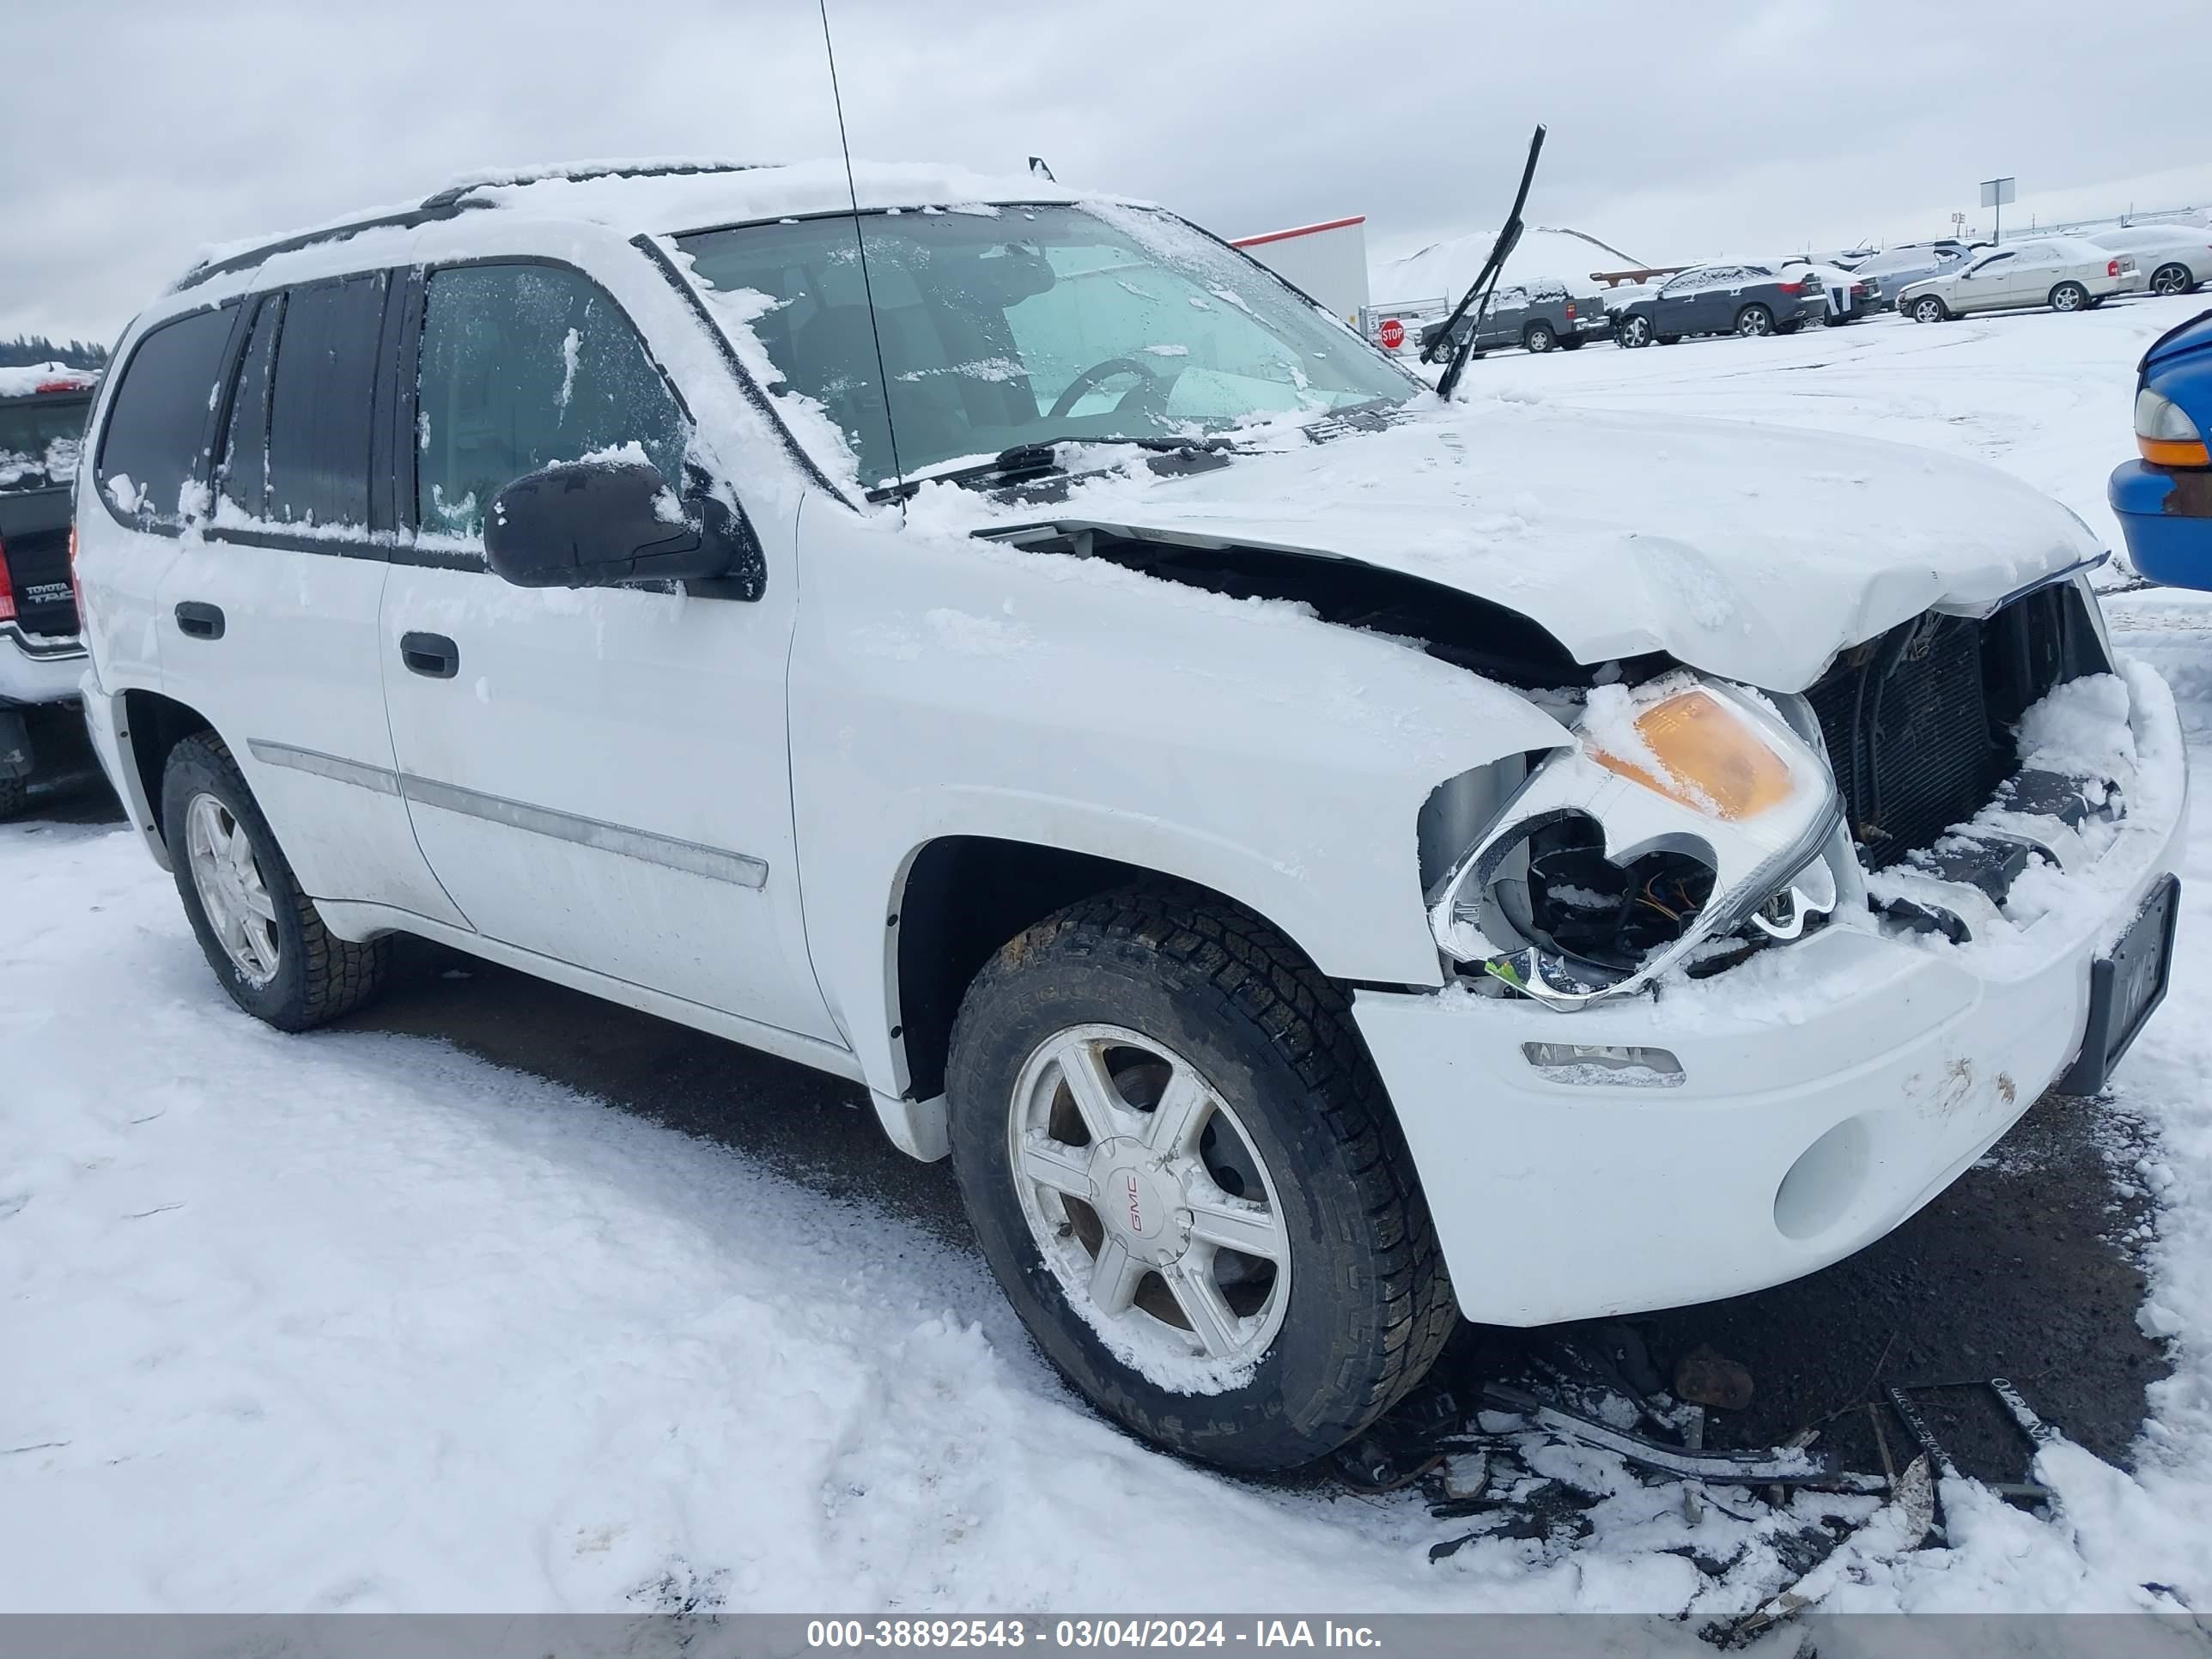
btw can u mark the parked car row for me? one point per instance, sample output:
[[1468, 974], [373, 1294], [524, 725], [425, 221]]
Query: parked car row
[[1927, 281]]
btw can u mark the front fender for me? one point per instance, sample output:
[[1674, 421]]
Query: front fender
[[946, 686]]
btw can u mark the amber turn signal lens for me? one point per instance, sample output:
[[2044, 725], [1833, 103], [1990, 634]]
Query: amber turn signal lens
[[2168, 452], [1712, 759]]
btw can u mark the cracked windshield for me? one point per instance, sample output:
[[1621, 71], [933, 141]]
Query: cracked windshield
[[1023, 325]]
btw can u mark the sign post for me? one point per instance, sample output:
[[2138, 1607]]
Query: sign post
[[1996, 192]]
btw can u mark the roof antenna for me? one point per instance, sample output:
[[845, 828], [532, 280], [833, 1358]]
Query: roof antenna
[[861, 242]]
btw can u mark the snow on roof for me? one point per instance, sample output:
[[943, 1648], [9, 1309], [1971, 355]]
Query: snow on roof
[[660, 195], [37, 377], [676, 202]]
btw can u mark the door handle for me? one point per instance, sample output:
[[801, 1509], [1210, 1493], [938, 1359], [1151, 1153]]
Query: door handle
[[431, 655], [202, 622]]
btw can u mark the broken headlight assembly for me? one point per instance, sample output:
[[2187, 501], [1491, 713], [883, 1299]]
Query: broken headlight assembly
[[1688, 823]]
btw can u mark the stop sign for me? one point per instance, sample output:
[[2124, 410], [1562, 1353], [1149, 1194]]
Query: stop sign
[[1392, 333]]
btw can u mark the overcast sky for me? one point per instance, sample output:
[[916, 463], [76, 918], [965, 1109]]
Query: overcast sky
[[145, 129]]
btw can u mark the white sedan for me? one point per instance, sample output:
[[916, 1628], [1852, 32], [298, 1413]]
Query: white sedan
[[2177, 256], [2063, 272]]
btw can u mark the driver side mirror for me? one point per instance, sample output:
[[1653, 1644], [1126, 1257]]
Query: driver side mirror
[[606, 523]]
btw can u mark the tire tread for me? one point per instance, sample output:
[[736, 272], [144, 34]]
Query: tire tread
[[338, 975], [1253, 968]]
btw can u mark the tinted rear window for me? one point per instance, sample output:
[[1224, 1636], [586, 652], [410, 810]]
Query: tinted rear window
[[156, 431], [39, 440], [321, 403]]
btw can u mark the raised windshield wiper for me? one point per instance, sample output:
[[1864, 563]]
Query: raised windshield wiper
[[1486, 281], [1036, 460]]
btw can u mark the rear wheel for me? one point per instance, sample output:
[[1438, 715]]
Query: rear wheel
[[1930, 309], [1753, 321], [2173, 279], [260, 931], [1539, 338], [2068, 296], [1570, 342], [1180, 1163], [1633, 331]]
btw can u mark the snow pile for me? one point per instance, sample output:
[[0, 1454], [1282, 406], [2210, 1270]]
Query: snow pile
[[1447, 267]]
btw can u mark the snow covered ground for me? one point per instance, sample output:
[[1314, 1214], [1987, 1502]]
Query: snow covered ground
[[355, 1322]]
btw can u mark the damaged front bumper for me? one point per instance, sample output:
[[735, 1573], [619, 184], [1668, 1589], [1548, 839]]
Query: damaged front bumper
[[1738, 1131]]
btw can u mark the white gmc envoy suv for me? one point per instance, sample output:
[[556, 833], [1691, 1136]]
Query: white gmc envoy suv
[[1322, 861]]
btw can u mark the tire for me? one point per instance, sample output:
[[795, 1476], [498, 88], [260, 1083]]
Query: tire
[[1633, 333], [2070, 296], [2173, 279], [14, 791], [1928, 308], [1538, 339], [313, 977], [1148, 984], [1572, 342], [1794, 325], [1669, 339], [1754, 322]]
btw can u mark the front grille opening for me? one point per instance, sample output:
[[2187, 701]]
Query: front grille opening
[[1919, 721]]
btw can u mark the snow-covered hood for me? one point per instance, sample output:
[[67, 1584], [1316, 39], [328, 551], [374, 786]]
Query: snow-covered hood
[[1752, 552]]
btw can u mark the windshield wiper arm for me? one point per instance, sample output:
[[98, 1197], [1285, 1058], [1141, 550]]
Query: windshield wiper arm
[[1485, 282], [1032, 460]]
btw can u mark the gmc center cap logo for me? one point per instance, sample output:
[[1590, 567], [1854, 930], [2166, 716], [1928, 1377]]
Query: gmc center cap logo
[[1140, 1202]]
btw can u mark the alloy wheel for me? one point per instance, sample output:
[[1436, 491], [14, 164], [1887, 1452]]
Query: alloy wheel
[[228, 879], [2170, 281], [1147, 1199]]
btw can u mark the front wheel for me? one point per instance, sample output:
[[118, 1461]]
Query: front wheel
[[1633, 331], [2068, 296], [1753, 321], [1928, 309], [1180, 1163], [260, 931]]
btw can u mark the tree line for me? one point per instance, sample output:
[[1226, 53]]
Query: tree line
[[25, 349]]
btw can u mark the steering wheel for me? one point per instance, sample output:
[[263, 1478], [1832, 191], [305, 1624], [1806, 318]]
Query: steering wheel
[[1149, 386]]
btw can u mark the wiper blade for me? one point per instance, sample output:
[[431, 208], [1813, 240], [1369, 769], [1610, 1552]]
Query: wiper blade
[[1033, 460], [1486, 281]]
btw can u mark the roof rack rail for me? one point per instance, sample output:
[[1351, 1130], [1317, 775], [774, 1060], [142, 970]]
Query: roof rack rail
[[446, 203], [253, 255], [580, 173]]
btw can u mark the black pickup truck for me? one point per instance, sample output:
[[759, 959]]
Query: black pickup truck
[[1536, 317], [42, 418]]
